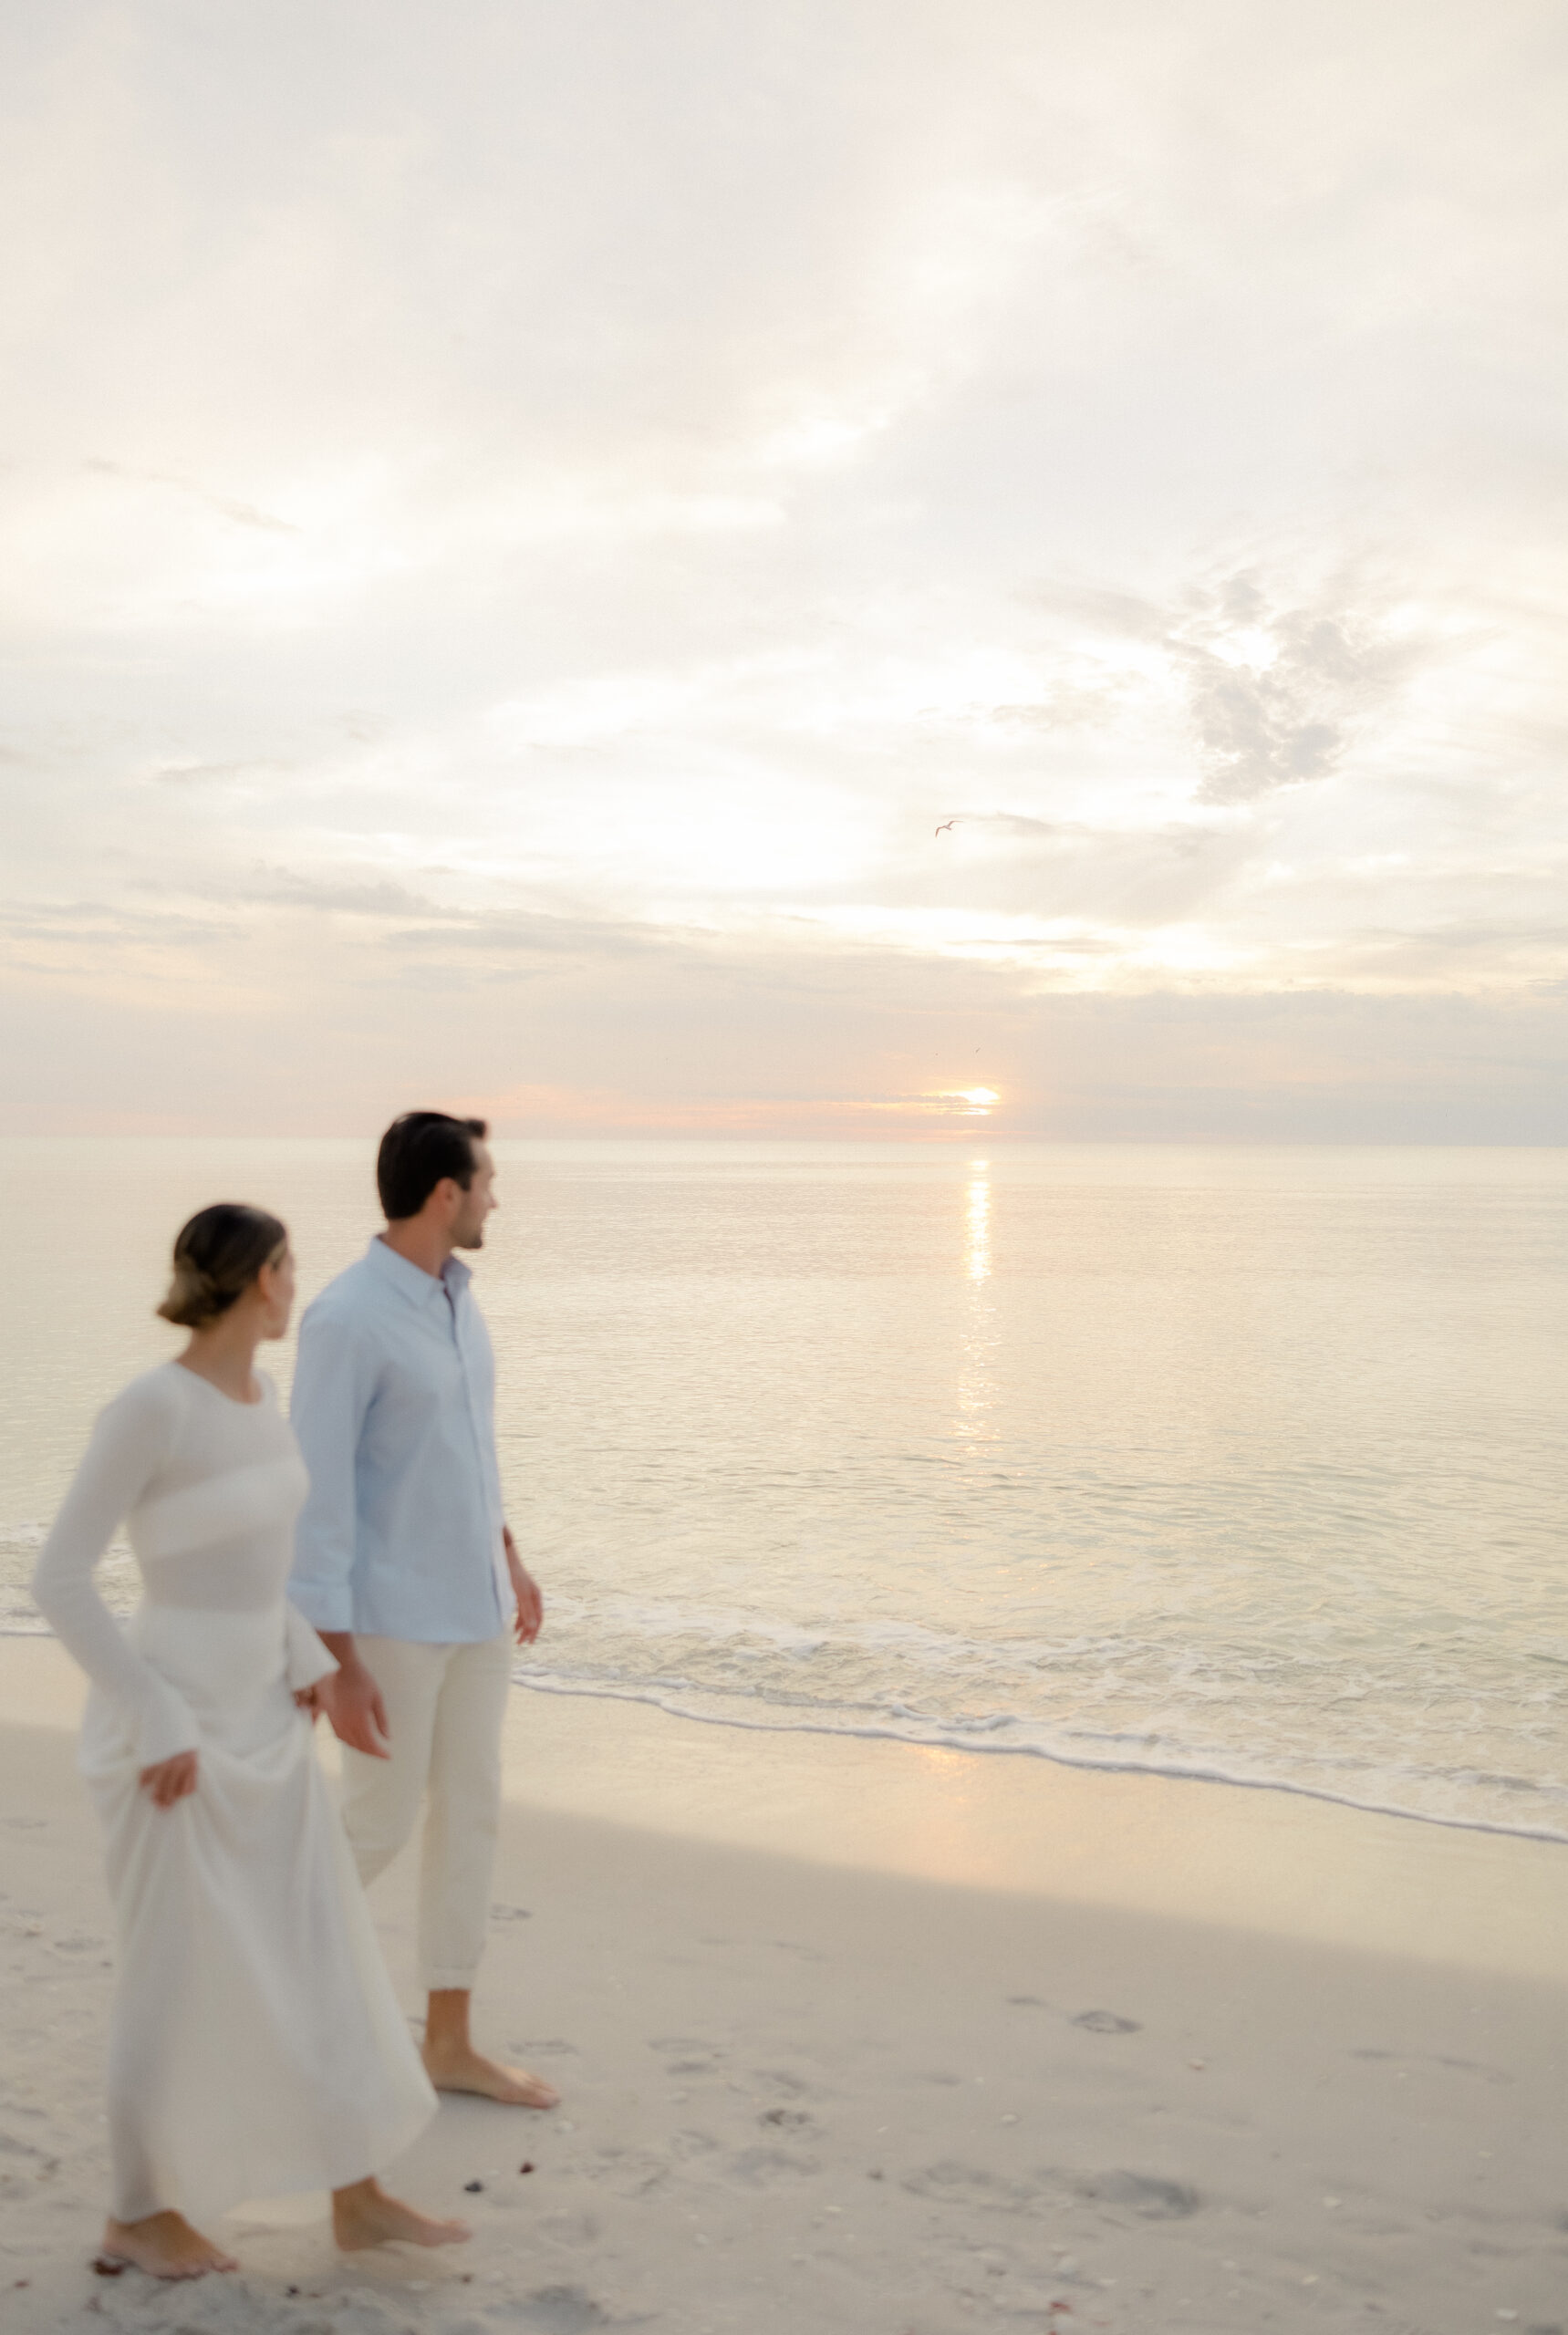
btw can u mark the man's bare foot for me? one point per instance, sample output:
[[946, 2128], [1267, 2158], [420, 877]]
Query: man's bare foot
[[455, 2067], [363, 2215], [164, 2246]]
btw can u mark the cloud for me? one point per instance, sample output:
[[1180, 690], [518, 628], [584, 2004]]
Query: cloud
[[111, 925], [661, 1045], [1277, 693], [572, 499], [1278, 687], [244, 514], [212, 774], [1101, 608], [285, 887], [538, 936]]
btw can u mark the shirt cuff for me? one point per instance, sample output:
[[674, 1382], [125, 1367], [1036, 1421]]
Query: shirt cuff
[[308, 1659], [323, 1605]]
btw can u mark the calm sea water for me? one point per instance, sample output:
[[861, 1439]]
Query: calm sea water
[[1246, 1464]]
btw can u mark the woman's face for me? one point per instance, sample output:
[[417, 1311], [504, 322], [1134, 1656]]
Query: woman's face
[[275, 1283]]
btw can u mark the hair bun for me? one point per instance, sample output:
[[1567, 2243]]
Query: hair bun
[[193, 1296], [217, 1257]]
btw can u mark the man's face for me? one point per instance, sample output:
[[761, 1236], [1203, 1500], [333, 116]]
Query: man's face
[[475, 1204]]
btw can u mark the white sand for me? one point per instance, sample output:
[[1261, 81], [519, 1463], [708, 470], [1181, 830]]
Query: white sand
[[1211, 2061]]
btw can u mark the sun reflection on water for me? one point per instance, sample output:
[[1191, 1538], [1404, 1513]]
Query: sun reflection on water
[[974, 1425], [980, 1220]]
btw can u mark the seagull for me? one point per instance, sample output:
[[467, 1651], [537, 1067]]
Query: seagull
[[946, 825]]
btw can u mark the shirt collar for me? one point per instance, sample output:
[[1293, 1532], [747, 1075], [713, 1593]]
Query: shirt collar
[[412, 1281]]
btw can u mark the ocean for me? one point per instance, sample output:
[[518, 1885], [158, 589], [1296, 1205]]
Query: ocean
[[1244, 1464]]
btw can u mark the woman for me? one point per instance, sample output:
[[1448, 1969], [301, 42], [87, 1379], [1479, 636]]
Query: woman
[[255, 2048]]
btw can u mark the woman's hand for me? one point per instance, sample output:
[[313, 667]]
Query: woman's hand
[[170, 1780], [309, 1699]]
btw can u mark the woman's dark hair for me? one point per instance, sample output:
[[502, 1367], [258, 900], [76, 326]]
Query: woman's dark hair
[[417, 1150], [217, 1256]]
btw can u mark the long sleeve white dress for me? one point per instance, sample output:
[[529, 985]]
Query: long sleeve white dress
[[256, 2047]]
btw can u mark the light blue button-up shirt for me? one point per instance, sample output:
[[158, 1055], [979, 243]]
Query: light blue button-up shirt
[[394, 1401]]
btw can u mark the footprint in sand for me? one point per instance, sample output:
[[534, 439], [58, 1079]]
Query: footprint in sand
[[1152, 2200], [1439, 2059], [765, 2168], [21, 2179], [790, 2119], [1107, 2022], [364, 2316], [685, 2055], [779, 2080], [632, 2173], [970, 2184], [579, 2230], [561, 2310]]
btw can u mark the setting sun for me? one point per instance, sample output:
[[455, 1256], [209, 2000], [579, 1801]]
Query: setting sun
[[965, 1101]]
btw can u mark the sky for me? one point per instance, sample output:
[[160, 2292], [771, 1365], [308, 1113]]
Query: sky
[[873, 569]]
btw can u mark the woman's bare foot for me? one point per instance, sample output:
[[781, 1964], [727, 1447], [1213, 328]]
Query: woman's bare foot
[[164, 2246], [363, 2215], [460, 2068]]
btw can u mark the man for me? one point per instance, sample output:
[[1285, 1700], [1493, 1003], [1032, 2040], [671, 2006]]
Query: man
[[406, 1567]]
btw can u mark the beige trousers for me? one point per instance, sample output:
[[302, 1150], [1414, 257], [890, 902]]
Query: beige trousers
[[446, 1705]]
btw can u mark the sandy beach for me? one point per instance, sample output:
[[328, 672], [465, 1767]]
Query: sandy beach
[[853, 2036]]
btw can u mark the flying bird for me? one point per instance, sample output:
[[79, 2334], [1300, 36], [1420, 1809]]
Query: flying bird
[[946, 825]]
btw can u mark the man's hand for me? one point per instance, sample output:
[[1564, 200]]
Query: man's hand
[[526, 1590], [352, 1700], [171, 1779]]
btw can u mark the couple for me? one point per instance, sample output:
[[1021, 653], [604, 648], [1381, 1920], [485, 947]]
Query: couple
[[256, 2047]]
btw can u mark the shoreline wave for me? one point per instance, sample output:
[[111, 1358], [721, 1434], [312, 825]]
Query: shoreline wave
[[954, 1739], [979, 1737]]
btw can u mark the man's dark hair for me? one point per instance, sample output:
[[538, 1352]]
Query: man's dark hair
[[418, 1149]]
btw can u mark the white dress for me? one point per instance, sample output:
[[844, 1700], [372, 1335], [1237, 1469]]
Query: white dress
[[256, 2046]]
